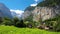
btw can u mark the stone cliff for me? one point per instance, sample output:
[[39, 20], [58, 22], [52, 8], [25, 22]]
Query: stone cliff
[[4, 11], [43, 13]]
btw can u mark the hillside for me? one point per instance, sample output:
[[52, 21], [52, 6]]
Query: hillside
[[44, 10], [4, 11], [49, 3]]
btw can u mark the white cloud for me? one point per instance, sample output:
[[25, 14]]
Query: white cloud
[[33, 4], [17, 13], [36, 0]]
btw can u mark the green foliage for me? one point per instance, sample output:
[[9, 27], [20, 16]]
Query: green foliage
[[54, 22], [31, 24], [18, 23], [15, 20], [1, 20], [29, 21], [49, 3], [7, 21]]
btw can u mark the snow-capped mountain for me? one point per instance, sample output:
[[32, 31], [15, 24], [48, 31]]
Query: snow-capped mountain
[[17, 13]]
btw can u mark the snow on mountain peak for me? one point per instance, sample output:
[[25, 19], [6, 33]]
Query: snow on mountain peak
[[16, 13]]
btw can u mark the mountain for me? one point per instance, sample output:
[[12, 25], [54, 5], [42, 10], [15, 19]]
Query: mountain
[[28, 12], [29, 8], [17, 13], [49, 3], [44, 10], [43, 13], [13, 13], [4, 11]]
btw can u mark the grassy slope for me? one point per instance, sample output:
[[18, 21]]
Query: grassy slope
[[14, 30]]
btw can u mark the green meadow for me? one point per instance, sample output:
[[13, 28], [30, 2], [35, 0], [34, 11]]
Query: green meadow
[[15, 30]]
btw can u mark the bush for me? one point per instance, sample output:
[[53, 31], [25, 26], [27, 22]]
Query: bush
[[15, 22], [1, 20], [20, 24], [31, 24], [7, 21], [54, 22]]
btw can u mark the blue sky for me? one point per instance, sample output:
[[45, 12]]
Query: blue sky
[[18, 4]]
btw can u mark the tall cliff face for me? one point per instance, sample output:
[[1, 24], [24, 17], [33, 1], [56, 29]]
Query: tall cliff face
[[28, 12], [4, 11], [43, 13], [45, 10]]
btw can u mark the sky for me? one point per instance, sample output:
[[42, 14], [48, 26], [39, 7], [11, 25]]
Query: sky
[[18, 6]]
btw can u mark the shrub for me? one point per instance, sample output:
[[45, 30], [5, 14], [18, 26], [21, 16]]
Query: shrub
[[7, 21], [20, 24], [54, 22]]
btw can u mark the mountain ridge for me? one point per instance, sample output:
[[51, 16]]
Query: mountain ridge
[[46, 9]]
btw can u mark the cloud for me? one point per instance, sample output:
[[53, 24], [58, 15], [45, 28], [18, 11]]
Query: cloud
[[33, 4], [17, 12], [36, 0]]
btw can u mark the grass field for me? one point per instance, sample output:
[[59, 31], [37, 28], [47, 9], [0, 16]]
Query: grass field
[[15, 30]]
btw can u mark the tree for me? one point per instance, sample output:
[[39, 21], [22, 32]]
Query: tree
[[7, 21], [1, 20], [54, 22], [49, 3], [18, 23], [15, 20]]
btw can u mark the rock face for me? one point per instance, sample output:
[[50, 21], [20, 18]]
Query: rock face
[[4, 11], [43, 13], [28, 12]]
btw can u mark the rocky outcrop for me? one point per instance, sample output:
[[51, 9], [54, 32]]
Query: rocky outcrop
[[43, 13], [28, 12], [4, 11]]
